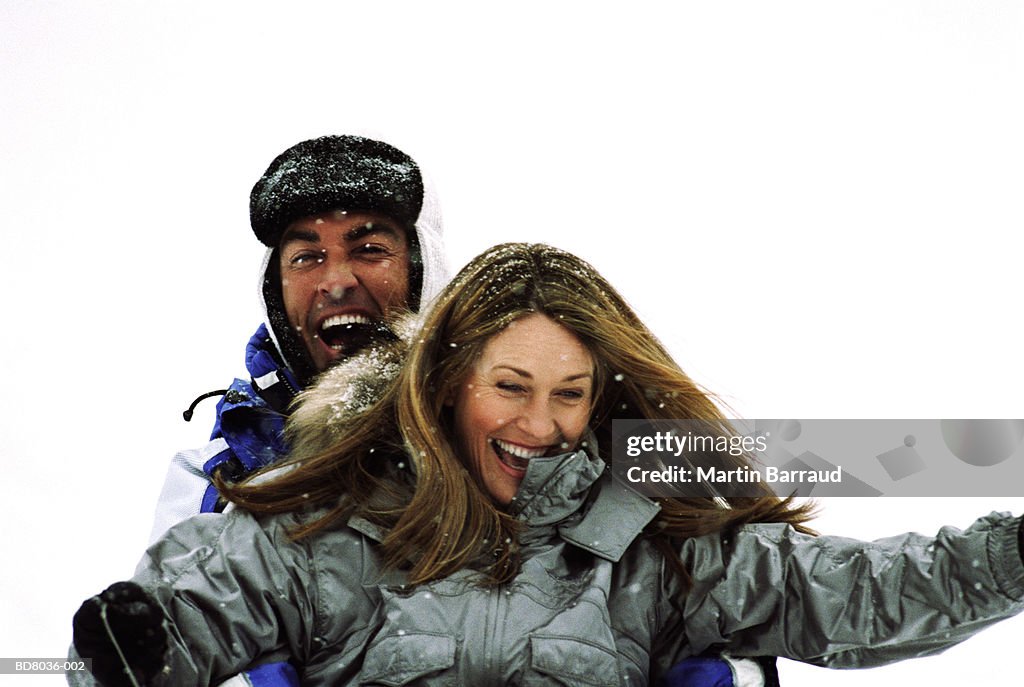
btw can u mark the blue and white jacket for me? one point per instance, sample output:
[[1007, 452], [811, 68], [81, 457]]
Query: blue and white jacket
[[248, 434]]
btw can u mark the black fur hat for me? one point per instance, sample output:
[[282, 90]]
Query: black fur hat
[[334, 173]]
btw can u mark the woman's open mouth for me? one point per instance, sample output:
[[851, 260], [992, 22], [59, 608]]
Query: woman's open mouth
[[516, 457]]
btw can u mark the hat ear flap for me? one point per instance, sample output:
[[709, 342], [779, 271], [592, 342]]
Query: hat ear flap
[[290, 345]]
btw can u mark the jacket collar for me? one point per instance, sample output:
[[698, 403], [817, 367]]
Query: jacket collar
[[271, 379], [589, 507], [555, 489], [616, 517]]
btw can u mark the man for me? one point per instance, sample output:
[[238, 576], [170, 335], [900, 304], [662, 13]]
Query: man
[[353, 234]]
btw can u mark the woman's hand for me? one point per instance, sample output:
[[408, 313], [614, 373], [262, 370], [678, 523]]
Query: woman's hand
[[121, 625]]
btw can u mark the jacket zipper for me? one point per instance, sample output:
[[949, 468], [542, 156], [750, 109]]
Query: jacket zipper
[[494, 640]]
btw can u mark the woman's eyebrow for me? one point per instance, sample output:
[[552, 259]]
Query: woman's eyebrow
[[521, 373], [581, 375], [524, 373]]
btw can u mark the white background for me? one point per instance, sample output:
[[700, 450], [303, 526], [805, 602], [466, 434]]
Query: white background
[[817, 206]]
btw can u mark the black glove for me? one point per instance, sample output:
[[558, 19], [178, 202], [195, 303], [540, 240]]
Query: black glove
[[136, 622]]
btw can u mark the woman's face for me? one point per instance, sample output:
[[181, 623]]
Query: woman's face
[[529, 395]]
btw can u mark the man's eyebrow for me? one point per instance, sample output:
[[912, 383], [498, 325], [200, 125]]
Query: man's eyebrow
[[374, 228], [300, 235]]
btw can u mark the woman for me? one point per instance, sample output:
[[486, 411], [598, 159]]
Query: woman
[[464, 530]]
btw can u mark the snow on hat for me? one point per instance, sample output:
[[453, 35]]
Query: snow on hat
[[331, 173]]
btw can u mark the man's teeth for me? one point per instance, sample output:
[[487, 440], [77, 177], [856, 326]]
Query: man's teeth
[[342, 320]]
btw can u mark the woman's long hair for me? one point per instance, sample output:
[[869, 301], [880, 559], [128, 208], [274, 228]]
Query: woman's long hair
[[442, 520]]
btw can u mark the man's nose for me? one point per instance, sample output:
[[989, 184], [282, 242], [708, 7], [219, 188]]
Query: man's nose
[[337, 278]]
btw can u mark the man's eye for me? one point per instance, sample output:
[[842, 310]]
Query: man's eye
[[372, 249], [306, 258]]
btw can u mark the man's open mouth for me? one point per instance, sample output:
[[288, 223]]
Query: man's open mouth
[[346, 332]]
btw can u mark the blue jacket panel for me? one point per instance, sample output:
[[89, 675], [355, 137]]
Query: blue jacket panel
[[250, 417]]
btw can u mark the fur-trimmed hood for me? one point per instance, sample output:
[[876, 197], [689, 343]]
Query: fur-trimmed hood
[[321, 413]]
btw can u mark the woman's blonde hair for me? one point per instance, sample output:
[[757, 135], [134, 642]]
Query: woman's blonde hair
[[441, 520]]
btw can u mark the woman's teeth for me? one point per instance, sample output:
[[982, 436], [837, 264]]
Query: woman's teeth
[[516, 457]]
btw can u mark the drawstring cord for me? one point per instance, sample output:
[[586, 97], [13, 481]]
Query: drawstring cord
[[117, 647], [188, 413]]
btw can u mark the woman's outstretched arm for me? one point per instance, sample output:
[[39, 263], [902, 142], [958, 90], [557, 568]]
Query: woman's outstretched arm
[[769, 590]]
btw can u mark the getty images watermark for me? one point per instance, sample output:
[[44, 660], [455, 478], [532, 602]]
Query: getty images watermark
[[737, 458]]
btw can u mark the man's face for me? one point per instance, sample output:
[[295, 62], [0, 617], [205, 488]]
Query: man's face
[[340, 274]]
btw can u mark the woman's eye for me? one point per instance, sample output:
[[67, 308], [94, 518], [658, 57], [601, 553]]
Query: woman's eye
[[510, 387], [571, 394]]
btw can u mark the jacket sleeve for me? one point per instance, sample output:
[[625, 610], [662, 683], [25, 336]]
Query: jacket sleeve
[[234, 595], [842, 603], [184, 487]]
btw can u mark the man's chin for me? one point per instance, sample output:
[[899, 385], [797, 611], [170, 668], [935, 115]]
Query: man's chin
[[342, 348], [332, 355]]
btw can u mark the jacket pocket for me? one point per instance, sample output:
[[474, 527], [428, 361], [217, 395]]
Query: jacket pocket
[[573, 661], [397, 660]]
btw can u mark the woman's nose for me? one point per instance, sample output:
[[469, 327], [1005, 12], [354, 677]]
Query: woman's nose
[[538, 422]]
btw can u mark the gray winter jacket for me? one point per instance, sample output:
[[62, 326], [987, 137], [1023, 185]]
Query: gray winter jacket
[[594, 603]]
